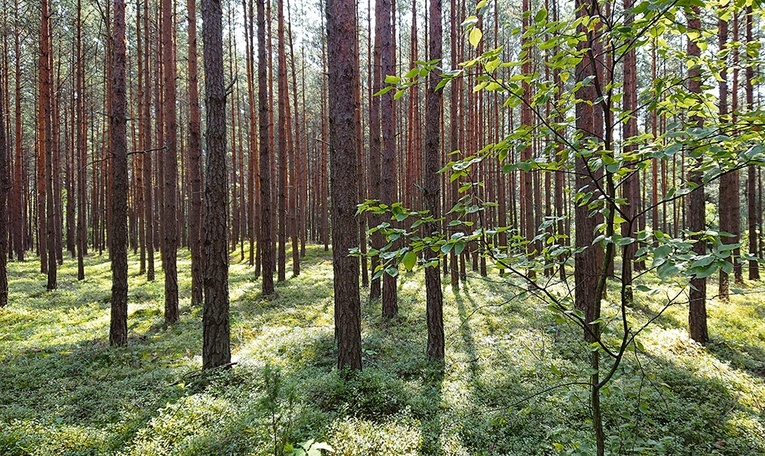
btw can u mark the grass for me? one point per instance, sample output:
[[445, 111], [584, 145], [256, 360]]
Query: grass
[[63, 390]]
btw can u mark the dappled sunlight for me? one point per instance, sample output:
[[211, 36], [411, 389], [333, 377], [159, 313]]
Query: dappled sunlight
[[511, 382]]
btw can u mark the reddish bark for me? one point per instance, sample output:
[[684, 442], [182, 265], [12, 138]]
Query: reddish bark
[[432, 194], [341, 34], [697, 316], [266, 247], [170, 207], [196, 212], [118, 325]]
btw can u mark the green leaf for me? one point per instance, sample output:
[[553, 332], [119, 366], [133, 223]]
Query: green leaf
[[459, 247], [383, 91], [540, 16], [475, 36], [492, 65], [409, 260], [392, 79]]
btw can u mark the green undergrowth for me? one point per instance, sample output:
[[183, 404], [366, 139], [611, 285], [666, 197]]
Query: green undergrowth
[[511, 382]]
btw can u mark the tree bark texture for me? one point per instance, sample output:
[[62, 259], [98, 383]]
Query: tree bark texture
[[590, 122], [4, 200], [46, 99], [388, 133], [754, 267], [169, 210], [266, 242], [196, 204], [697, 316], [341, 33], [283, 133], [432, 194], [216, 348], [118, 326]]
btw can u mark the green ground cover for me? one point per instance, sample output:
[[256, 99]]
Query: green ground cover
[[509, 385]]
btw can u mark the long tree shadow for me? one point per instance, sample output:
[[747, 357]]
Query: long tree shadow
[[465, 330], [695, 405], [431, 425]]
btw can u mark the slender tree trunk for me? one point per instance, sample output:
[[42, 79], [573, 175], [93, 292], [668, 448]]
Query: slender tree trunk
[[388, 133], [697, 318], [82, 148], [294, 158], [454, 143], [46, 102], [754, 269], [432, 193], [528, 227], [118, 326], [141, 35], [5, 187], [588, 267], [170, 210], [196, 212], [253, 171], [19, 212], [730, 206], [149, 219], [266, 247], [341, 34], [216, 348], [282, 78], [375, 145], [632, 182]]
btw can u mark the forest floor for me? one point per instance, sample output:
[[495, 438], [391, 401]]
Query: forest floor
[[511, 382]]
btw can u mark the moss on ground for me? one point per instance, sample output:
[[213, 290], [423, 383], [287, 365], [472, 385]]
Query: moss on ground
[[63, 390]]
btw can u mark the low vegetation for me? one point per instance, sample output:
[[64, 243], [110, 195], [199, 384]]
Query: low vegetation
[[513, 381]]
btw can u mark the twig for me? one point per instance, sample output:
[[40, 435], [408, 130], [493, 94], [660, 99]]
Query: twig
[[147, 150]]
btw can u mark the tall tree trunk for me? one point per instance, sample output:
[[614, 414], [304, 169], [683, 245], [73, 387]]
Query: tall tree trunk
[[294, 158], [118, 326], [266, 247], [149, 220], [253, 187], [588, 261], [528, 227], [729, 203], [82, 153], [631, 182], [5, 186], [18, 212], [454, 132], [196, 212], [282, 78], [432, 193], [341, 34], [358, 121], [216, 348], [697, 318], [375, 144], [138, 174], [751, 189], [388, 133], [170, 210], [46, 102]]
